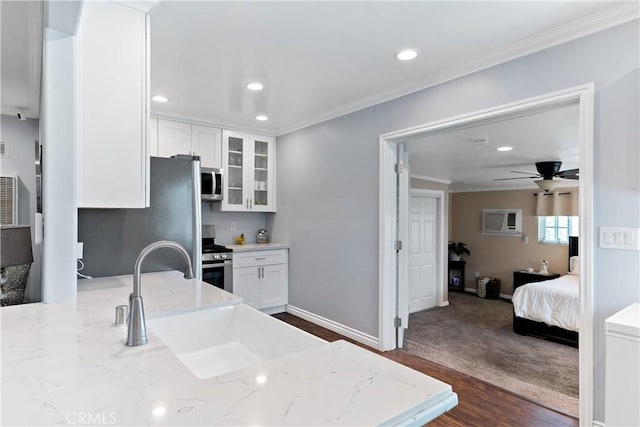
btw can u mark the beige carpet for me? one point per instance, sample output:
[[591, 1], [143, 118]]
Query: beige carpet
[[474, 336]]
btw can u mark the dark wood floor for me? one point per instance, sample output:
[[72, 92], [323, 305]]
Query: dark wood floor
[[480, 404]]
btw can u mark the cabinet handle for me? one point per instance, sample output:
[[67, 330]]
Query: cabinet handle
[[261, 258], [251, 204], [247, 203], [262, 272]]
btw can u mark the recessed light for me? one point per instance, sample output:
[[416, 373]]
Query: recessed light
[[160, 98], [254, 86], [406, 55], [504, 148], [262, 118], [159, 411]]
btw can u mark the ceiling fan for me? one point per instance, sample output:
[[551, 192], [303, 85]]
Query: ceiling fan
[[547, 171]]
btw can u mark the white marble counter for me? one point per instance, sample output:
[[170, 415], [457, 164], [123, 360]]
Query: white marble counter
[[65, 364], [258, 247]]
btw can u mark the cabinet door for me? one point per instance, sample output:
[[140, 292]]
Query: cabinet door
[[263, 196], [173, 138], [273, 286], [246, 284], [153, 137], [112, 104], [207, 143], [234, 163]]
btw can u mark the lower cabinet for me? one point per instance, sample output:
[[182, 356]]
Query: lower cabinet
[[261, 279]]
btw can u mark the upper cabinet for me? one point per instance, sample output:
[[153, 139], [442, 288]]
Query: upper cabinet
[[173, 137], [249, 164], [112, 106]]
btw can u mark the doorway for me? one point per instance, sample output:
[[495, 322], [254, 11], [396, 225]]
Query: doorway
[[389, 235]]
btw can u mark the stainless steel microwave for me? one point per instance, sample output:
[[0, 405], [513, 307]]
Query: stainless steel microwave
[[211, 184]]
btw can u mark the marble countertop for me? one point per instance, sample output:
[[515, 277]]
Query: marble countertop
[[258, 247], [66, 364]]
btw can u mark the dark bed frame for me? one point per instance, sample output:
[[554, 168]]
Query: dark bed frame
[[523, 326]]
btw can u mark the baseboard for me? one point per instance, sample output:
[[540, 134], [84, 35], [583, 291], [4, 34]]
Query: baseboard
[[505, 296], [335, 326], [274, 310], [444, 304], [598, 424], [473, 291]]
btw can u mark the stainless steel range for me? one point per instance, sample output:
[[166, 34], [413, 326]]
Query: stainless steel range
[[217, 261]]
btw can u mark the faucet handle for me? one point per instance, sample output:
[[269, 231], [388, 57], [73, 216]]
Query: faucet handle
[[121, 315]]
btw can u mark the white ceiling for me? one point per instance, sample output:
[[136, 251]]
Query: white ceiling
[[21, 56], [319, 60], [454, 156]]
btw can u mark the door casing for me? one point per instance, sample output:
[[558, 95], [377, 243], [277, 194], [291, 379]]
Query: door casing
[[583, 96]]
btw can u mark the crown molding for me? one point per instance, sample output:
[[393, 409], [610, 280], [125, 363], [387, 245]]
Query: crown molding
[[430, 178], [616, 15], [195, 120]]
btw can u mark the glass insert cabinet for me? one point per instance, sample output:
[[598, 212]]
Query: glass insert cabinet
[[248, 162]]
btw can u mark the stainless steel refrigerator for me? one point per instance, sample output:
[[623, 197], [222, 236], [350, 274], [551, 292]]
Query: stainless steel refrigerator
[[113, 238]]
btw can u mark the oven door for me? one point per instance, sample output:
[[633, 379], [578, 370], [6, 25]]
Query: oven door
[[219, 274]]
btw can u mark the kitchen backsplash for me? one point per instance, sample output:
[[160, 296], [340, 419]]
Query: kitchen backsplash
[[247, 223]]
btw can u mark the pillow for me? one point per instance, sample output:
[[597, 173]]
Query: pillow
[[574, 265]]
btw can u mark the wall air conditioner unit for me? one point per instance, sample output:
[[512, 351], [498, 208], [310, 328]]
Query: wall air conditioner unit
[[8, 200], [502, 222]]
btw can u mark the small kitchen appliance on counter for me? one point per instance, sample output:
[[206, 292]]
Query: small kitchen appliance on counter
[[263, 236]]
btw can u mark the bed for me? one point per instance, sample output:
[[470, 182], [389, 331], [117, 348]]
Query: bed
[[551, 309]]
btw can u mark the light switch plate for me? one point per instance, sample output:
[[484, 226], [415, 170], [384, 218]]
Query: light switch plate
[[620, 238]]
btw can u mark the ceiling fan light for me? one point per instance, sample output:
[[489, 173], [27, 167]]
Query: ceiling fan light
[[547, 184]]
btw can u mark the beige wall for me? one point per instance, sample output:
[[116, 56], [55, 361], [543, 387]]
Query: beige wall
[[500, 256]]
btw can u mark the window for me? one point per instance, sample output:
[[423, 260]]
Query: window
[[557, 229]]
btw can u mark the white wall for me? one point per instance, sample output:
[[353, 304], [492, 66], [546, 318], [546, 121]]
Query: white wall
[[21, 136], [328, 178]]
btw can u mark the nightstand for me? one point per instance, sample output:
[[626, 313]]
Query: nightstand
[[456, 275], [522, 277]]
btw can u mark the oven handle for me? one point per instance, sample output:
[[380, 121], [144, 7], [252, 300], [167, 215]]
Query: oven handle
[[223, 264]]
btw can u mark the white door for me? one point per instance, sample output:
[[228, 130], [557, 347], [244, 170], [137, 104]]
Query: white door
[[422, 252]]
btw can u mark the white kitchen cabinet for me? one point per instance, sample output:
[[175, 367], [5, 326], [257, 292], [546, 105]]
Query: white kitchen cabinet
[[175, 137], [261, 279], [206, 141], [622, 368], [250, 167], [111, 61]]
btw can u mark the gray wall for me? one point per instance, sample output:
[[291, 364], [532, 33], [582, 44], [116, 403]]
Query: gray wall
[[247, 223], [21, 136], [328, 178]]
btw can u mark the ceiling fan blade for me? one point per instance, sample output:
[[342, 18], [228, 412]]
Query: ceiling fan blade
[[526, 173], [508, 179], [569, 174]]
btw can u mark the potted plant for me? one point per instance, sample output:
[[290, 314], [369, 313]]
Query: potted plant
[[457, 249]]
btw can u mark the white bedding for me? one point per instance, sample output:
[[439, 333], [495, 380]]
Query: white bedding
[[555, 302]]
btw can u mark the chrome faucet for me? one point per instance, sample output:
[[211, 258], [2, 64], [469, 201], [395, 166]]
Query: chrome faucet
[[137, 331]]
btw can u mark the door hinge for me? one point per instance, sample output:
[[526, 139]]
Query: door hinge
[[398, 168], [397, 322], [398, 245]]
